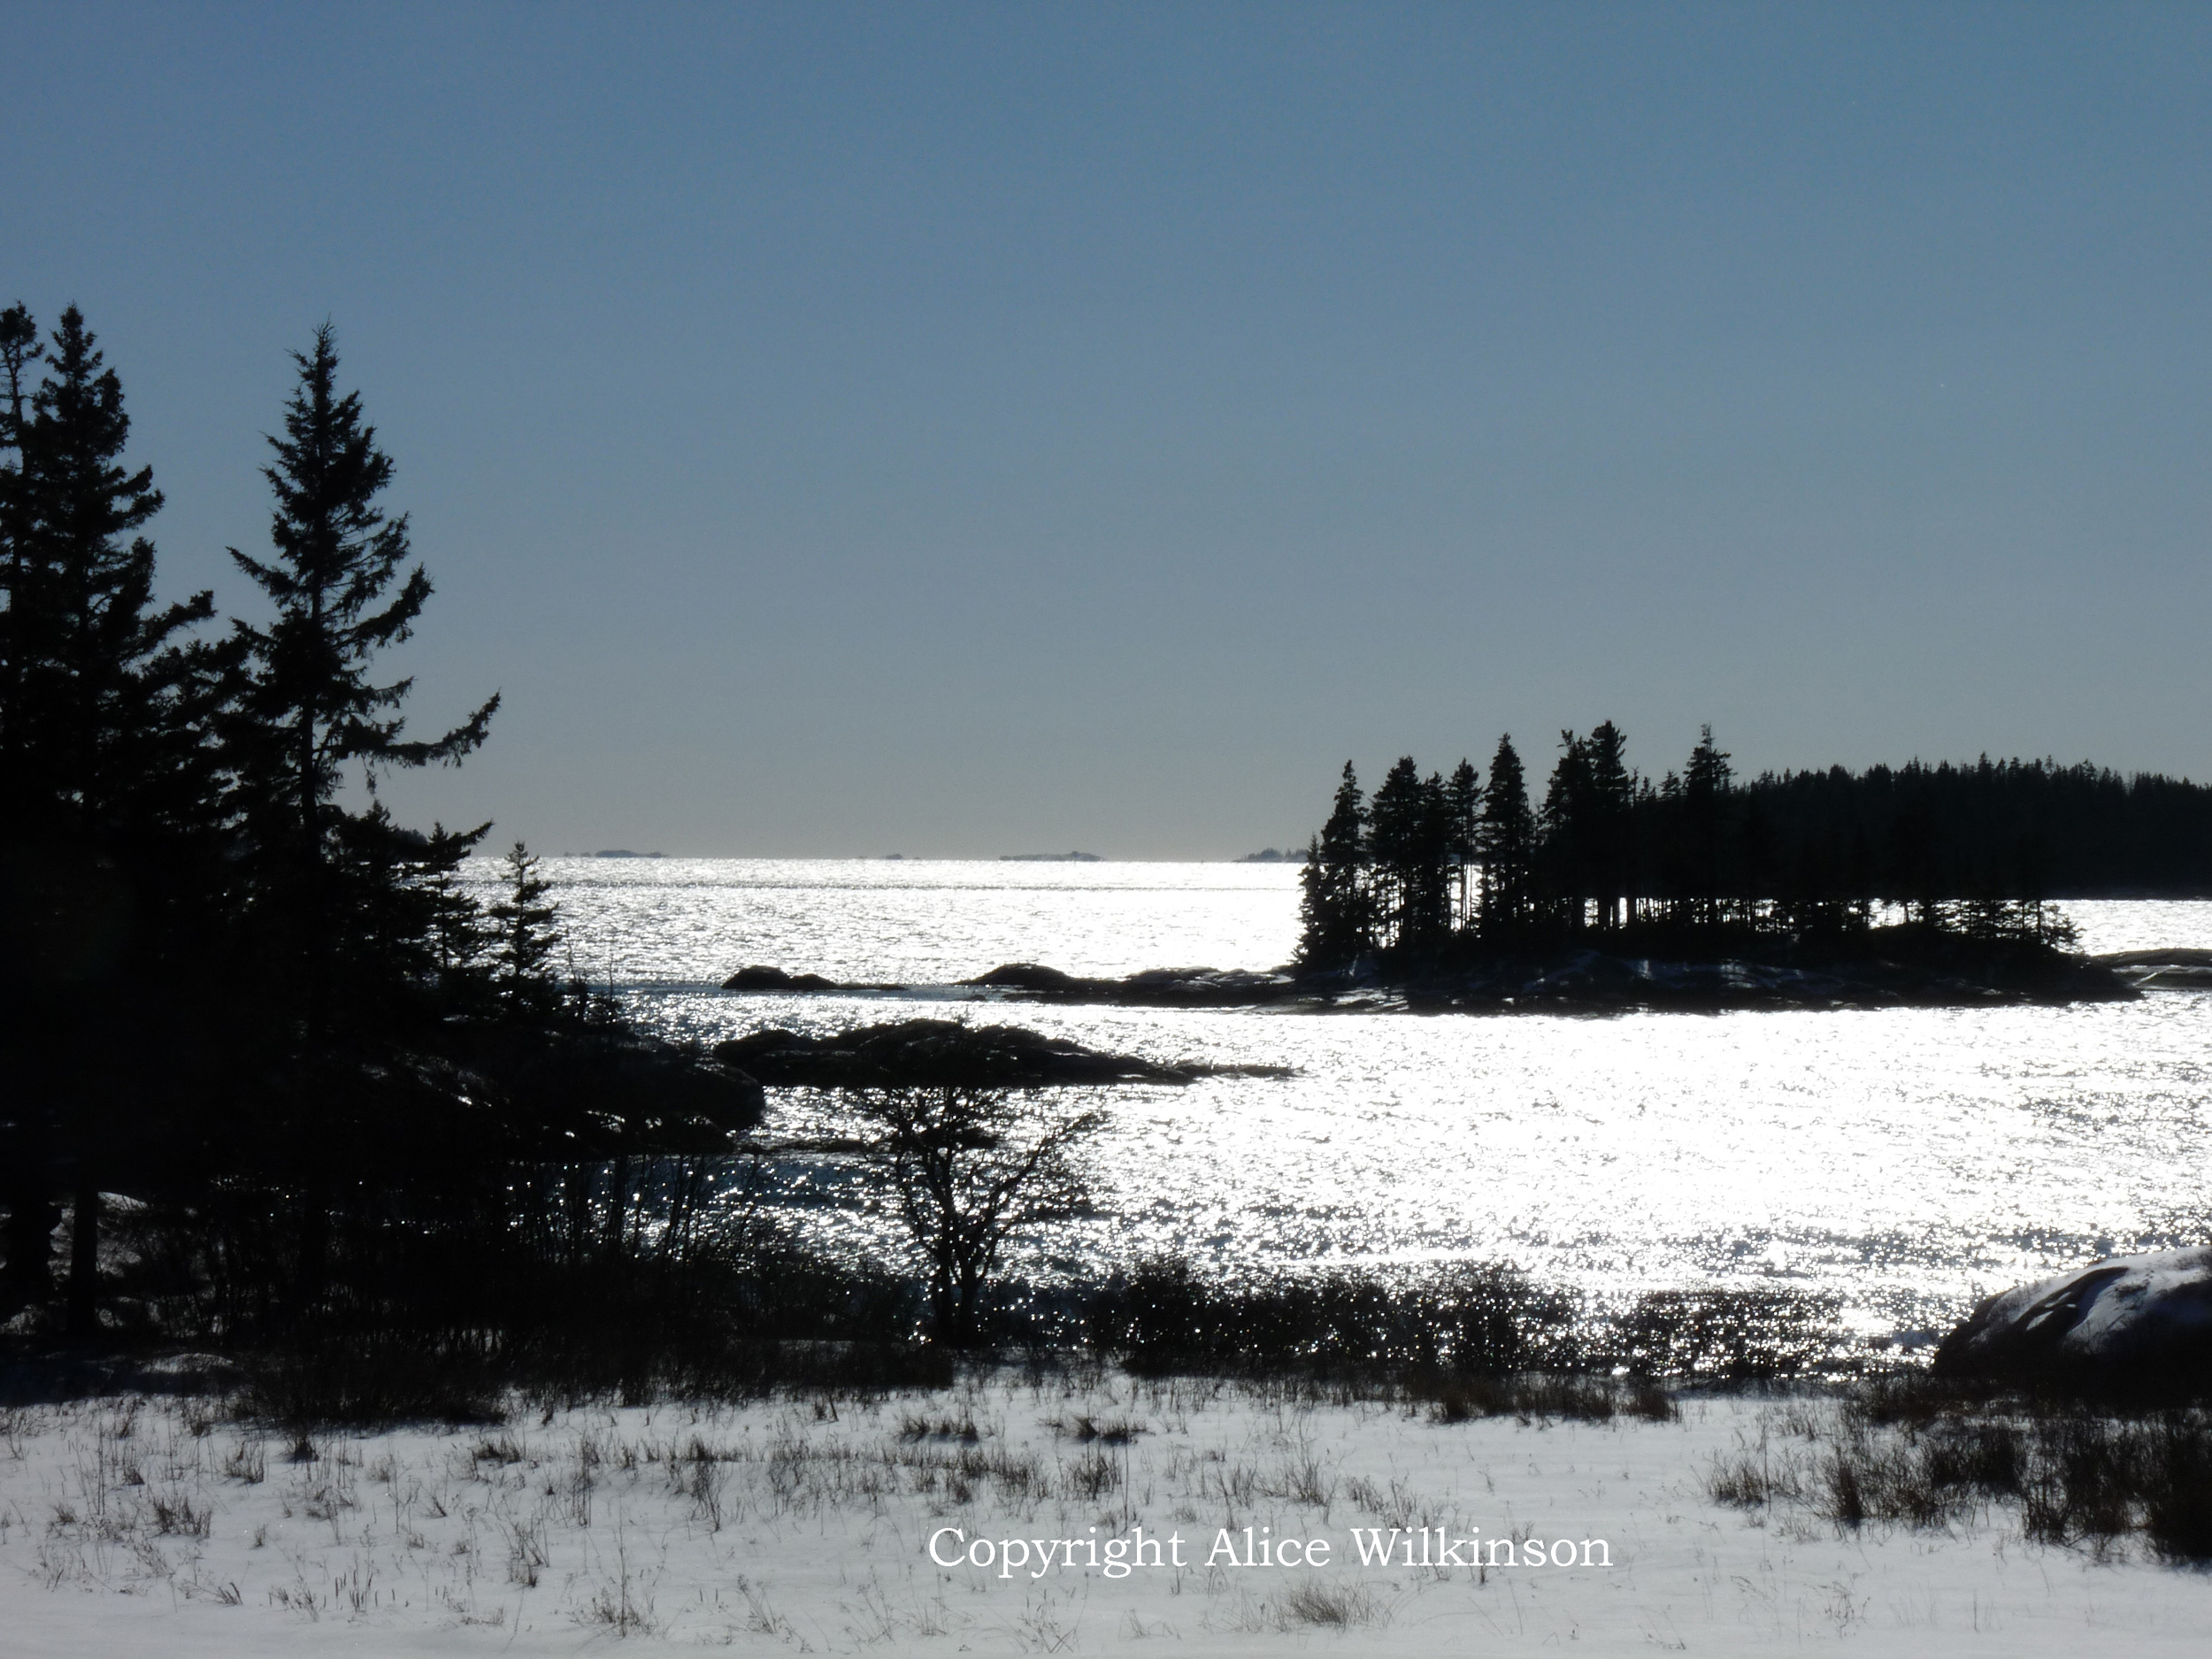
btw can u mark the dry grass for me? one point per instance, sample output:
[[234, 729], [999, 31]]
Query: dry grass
[[2070, 1473]]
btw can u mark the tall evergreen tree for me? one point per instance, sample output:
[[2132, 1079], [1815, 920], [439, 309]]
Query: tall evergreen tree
[[1568, 834], [523, 927], [1398, 856], [1463, 800], [25, 1143], [311, 709], [1706, 782], [106, 698], [1505, 843], [20, 350], [110, 775], [1333, 900], [1607, 808], [341, 904]]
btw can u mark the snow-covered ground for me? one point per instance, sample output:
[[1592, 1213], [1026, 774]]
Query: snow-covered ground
[[153, 1527]]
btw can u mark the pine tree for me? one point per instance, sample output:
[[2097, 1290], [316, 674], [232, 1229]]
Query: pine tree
[[107, 704], [1334, 899], [460, 933], [1608, 810], [310, 708], [1463, 798], [1506, 844], [109, 776], [340, 908], [523, 926], [1396, 834], [20, 349], [1569, 834], [25, 1140], [1706, 783]]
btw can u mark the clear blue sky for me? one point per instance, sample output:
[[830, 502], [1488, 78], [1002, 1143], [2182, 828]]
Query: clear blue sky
[[961, 430]]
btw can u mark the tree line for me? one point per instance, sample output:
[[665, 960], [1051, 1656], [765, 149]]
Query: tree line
[[234, 981], [1431, 869]]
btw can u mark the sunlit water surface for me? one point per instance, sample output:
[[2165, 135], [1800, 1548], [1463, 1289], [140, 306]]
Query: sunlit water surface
[[1905, 1159]]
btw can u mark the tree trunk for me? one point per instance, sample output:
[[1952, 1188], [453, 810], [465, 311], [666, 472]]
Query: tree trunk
[[83, 1314], [32, 1218]]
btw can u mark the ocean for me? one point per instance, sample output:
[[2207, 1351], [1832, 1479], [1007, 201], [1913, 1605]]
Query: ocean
[[1906, 1161]]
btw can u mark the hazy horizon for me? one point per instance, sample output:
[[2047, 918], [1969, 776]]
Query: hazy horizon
[[840, 430]]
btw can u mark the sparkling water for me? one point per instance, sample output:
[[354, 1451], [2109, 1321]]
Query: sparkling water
[[1906, 1160]]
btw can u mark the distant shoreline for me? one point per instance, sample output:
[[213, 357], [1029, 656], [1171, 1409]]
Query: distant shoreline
[[1571, 981]]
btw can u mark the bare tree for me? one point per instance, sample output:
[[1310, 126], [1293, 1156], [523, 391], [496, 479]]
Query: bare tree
[[970, 1166]]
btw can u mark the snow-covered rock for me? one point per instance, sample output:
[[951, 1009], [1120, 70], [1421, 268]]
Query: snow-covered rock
[[2127, 1321]]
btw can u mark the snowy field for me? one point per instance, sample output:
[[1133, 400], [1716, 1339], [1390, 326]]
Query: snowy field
[[153, 1527]]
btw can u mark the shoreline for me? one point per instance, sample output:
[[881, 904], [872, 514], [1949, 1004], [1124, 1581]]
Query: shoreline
[[1567, 982]]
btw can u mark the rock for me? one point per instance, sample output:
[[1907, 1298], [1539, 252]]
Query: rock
[[2165, 956], [933, 1051], [1026, 976], [940, 1052], [757, 979], [2134, 1323], [2169, 968]]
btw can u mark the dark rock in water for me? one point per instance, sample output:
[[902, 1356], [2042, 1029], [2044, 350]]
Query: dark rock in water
[[759, 979], [1026, 976], [943, 1052], [2129, 1324], [2169, 968], [2164, 957], [1154, 987]]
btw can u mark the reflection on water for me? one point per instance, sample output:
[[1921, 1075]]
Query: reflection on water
[[1906, 1159]]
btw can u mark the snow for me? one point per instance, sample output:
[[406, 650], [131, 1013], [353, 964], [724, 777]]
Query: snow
[[133, 1527]]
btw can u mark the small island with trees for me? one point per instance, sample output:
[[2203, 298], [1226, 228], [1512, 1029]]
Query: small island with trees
[[1916, 884]]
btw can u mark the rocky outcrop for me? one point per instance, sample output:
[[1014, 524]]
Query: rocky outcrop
[[758, 979], [2169, 968], [943, 1052], [1154, 987], [1563, 982], [2130, 1324]]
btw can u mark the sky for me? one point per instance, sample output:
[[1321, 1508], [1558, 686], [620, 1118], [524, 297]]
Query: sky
[[958, 430]]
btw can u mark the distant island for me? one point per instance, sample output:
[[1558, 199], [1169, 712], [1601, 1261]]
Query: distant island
[[624, 852], [1274, 856], [1919, 883], [1049, 858]]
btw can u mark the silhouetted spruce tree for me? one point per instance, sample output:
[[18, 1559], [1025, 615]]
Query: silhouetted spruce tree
[[1567, 859], [109, 696], [339, 901], [1706, 783], [1608, 810], [20, 350], [25, 1154], [1429, 901], [1335, 906], [1462, 797], [1409, 842], [460, 933], [310, 708], [526, 938], [110, 775], [1506, 845]]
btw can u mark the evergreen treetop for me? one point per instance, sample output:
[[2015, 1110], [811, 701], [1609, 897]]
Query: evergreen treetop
[[309, 706]]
